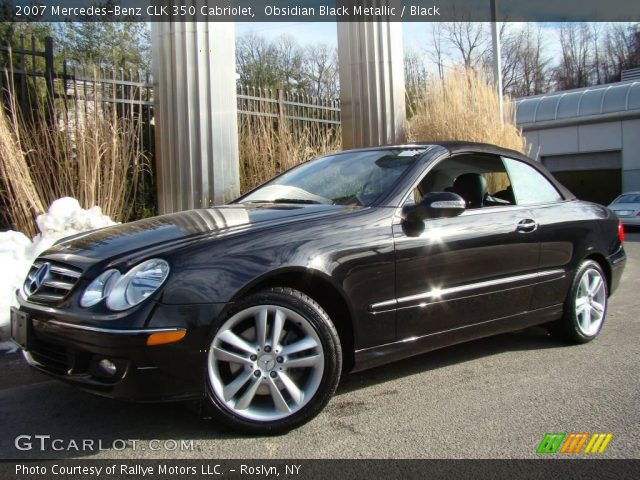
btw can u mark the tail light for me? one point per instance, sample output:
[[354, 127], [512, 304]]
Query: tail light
[[620, 232]]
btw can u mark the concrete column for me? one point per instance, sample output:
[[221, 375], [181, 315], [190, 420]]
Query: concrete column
[[194, 74], [371, 67]]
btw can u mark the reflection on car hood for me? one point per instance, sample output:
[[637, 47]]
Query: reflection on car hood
[[110, 242]]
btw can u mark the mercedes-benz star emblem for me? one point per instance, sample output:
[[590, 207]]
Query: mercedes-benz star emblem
[[268, 362], [38, 278]]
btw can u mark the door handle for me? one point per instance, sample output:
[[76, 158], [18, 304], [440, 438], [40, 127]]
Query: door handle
[[527, 226]]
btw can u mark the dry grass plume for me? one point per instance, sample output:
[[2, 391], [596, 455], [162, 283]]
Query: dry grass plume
[[464, 106], [268, 147], [90, 151]]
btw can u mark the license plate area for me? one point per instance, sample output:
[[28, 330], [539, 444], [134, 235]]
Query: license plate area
[[20, 328]]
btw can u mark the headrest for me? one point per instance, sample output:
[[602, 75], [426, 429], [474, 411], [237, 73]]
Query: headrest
[[472, 187]]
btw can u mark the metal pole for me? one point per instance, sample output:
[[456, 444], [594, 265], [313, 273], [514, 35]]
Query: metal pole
[[49, 75], [497, 61]]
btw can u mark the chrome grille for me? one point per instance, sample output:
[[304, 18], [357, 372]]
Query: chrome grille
[[50, 282]]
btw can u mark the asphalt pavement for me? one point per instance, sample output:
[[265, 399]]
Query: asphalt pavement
[[491, 398]]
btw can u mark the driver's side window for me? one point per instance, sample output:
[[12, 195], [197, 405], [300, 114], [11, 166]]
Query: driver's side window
[[481, 180]]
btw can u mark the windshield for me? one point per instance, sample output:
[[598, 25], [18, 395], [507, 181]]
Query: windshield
[[352, 178], [630, 198]]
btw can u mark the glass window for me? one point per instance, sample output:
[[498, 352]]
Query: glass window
[[628, 198], [354, 178], [481, 180], [529, 185]]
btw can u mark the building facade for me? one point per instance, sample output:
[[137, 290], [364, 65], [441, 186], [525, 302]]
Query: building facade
[[588, 138]]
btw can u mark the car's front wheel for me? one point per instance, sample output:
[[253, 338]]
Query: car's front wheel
[[585, 308], [273, 363]]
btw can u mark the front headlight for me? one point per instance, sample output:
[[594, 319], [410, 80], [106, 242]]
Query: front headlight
[[99, 288], [125, 291]]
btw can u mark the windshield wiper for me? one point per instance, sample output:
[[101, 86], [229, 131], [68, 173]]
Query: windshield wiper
[[297, 200], [302, 201]]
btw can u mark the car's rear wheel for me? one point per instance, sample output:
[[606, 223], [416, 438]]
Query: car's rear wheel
[[585, 308], [273, 363]]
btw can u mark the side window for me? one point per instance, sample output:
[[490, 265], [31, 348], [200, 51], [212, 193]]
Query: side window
[[481, 180], [529, 185]]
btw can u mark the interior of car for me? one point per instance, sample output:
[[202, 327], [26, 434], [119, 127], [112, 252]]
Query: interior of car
[[482, 181]]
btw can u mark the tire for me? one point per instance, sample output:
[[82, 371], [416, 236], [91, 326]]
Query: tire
[[585, 307], [258, 386]]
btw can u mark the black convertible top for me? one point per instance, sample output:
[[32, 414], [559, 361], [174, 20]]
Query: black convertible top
[[454, 146], [457, 146]]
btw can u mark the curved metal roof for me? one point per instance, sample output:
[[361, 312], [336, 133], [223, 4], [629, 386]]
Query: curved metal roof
[[581, 103]]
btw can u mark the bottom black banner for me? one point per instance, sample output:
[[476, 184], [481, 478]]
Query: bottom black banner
[[321, 469]]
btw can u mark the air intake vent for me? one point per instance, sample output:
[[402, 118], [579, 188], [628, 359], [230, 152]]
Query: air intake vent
[[50, 282], [631, 74]]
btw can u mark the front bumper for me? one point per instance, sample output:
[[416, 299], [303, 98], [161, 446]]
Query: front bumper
[[71, 351]]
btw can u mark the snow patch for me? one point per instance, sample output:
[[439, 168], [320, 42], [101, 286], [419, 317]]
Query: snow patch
[[15, 259], [65, 217]]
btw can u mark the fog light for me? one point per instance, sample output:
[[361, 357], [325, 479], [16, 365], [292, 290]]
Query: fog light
[[107, 366]]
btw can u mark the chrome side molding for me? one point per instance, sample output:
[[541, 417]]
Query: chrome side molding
[[437, 294]]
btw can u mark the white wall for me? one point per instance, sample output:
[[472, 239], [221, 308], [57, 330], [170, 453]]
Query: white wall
[[623, 135]]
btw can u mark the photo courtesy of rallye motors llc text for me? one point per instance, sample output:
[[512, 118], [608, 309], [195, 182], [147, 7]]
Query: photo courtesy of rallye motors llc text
[[162, 468], [255, 238]]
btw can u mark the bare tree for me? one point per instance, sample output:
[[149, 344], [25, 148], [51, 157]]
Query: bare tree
[[535, 63], [511, 48], [436, 51], [634, 47], [321, 70], [576, 63], [415, 77], [289, 62], [470, 41], [415, 70], [283, 63], [257, 61], [620, 47], [525, 63]]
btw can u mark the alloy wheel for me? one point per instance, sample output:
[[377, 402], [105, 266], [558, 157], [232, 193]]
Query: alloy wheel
[[591, 302], [265, 363]]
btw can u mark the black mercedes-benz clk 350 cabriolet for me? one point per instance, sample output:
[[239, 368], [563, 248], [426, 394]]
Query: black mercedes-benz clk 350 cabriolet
[[346, 262]]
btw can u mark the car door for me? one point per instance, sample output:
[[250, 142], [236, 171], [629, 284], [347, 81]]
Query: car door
[[468, 269], [561, 228]]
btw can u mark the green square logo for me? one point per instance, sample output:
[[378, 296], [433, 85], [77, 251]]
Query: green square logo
[[551, 442]]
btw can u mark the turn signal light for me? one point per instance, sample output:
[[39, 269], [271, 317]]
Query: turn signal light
[[620, 232], [161, 338]]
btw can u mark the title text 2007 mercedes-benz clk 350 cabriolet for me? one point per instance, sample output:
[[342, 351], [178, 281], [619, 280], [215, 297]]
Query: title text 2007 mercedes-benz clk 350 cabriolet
[[346, 262]]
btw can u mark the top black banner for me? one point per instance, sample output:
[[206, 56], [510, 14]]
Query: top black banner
[[318, 10]]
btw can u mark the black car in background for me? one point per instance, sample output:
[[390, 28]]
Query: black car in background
[[350, 261]]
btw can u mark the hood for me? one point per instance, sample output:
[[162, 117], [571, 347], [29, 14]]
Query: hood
[[88, 248]]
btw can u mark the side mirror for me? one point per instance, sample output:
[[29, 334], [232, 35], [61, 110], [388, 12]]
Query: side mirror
[[435, 205]]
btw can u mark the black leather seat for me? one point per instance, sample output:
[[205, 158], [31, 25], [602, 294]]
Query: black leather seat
[[506, 194], [472, 187]]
